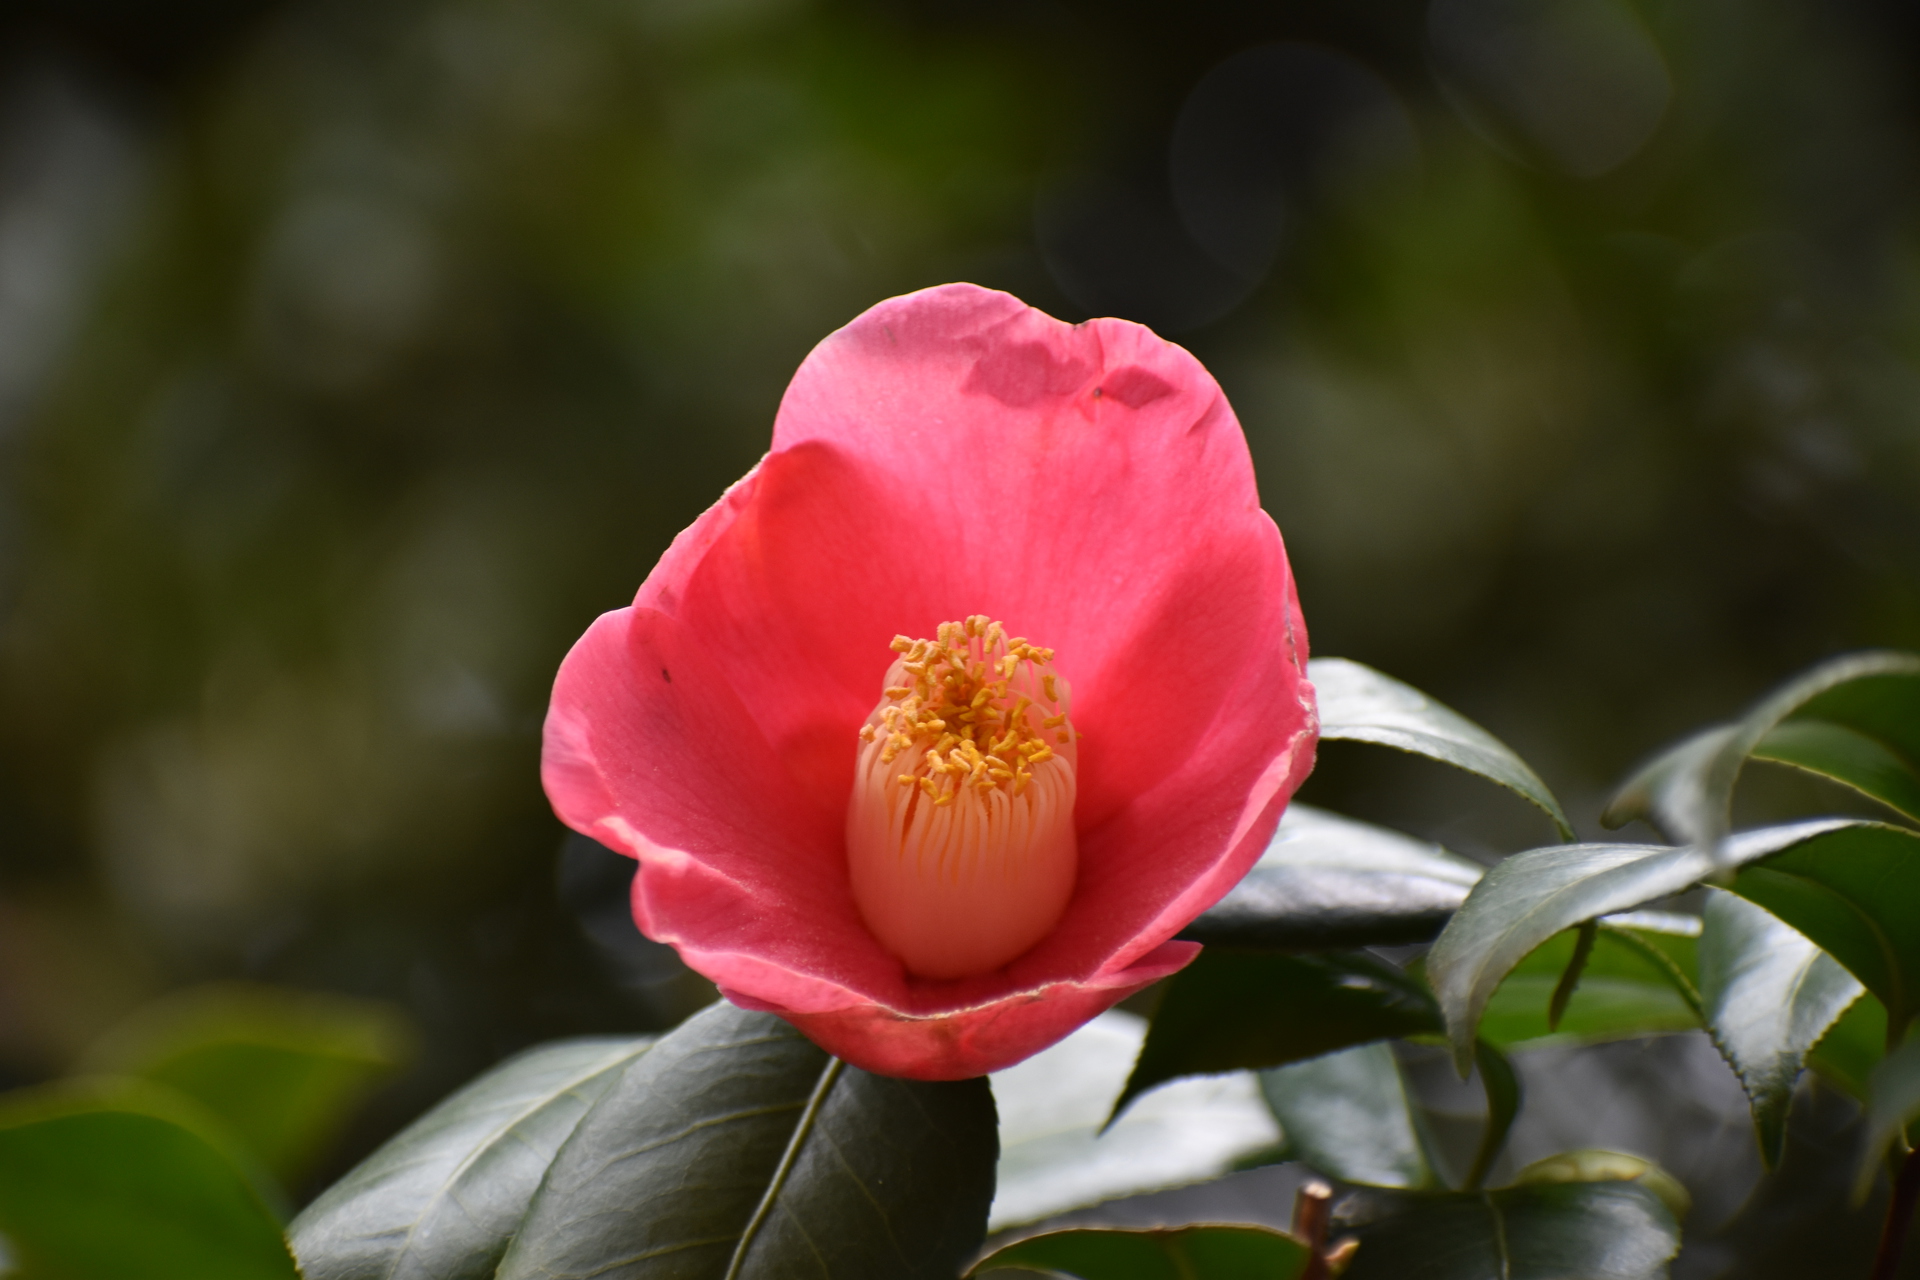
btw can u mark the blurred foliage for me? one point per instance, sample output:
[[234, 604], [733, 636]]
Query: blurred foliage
[[171, 1155], [280, 1070], [356, 355]]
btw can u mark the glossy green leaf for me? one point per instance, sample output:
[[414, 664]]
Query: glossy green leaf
[[1893, 1103], [1362, 705], [1623, 992], [1532, 896], [1347, 1115], [281, 1069], [1230, 1010], [1687, 791], [736, 1149], [1545, 1231], [441, 1200], [1203, 1251], [111, 1182], [1770, 995], [1855, 893], [1328, 881]]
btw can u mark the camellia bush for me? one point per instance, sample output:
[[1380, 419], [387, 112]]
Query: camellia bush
[[971, 713]]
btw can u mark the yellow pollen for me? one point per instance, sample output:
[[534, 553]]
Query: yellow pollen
[[965, 681]]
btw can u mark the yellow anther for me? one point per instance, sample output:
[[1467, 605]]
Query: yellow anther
[[963, 701]]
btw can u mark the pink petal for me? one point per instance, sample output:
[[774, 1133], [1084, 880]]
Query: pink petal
[[977, 1040]]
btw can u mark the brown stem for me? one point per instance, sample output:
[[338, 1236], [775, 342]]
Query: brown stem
[[1312, 1214], [1312, 1207], [1893, 1237]]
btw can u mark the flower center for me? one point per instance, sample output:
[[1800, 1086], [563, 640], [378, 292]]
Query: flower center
[[960, 836]]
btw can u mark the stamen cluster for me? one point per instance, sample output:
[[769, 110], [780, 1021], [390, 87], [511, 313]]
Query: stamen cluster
[[960, 704], [961, 847]]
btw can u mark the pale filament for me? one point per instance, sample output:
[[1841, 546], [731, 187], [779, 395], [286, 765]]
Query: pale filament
[[960, 837]]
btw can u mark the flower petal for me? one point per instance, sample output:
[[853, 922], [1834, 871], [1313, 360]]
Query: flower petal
[[649, 750], [980, 1039]]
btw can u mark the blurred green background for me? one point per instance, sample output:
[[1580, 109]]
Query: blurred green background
[[354, 355]]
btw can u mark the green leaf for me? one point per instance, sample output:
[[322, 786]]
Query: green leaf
[[1200, 1252], [1592, 1164], [1053, 1154], [1846, 756], [441, 1200], [1230, 1010], [1853, 1047], [1687, 791], [1770, 995], [1503, 1104], [1546, 1231], [1362, 705], [1346, 1114], [1855, 893], [1893, 1103], [736, 1149], [1532, 896], [1328, 881], [109, 1181], [281, 1069], [1625, 990]]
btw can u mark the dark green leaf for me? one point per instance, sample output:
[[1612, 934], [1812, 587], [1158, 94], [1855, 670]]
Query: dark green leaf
[[1503, 1104], [1531, 896], [115, 1182], [1846, 756], [737, 1149], [1770, 995], [441, 1200], [1853, 1047], [1893, 1103], [1626, 990], [1346, 1114], [281, 1069], [1362, 705], [1199, 1252], [1328, 881], [1883, 707], [1230, 1010], [1855, 893], [1547, 1231], [1687, 791]]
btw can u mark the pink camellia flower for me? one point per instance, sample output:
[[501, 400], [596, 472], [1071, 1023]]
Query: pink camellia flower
[[938, 726]]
